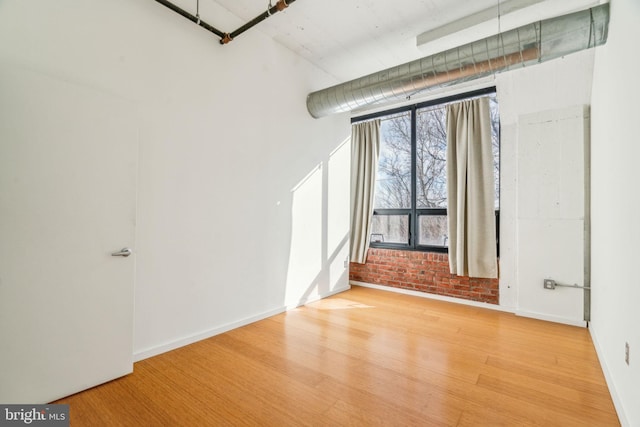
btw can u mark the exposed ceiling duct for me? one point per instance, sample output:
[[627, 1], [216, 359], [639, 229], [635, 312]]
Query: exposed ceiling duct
[[529, 44]]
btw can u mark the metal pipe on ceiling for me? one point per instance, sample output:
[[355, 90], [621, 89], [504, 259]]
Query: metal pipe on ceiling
[[227, 37], [530, 44], [278, 7], [192, 18]]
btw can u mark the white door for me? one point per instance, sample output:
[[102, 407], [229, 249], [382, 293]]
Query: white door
[[68, 160], [553, 191]]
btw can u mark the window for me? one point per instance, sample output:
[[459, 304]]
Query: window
[[410, 208]]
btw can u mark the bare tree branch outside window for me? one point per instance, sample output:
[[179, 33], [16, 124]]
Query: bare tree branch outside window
[[393, 185]]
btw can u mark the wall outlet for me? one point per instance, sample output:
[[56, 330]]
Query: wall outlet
[[626, 353], [549, 284]]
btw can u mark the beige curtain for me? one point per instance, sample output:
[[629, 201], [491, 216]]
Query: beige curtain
[[365, 149], [470, 188]]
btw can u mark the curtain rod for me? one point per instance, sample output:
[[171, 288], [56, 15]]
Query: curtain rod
[[439, 101]]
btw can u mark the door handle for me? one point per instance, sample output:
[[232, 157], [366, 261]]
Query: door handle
[[125, 252]]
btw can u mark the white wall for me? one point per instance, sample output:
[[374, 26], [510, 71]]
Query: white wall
[[615, 206], [553, 85], [225, 215], [550, 216]]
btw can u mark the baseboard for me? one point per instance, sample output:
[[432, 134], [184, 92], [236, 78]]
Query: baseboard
[[318, 297], [433, 296], [163, 348], [550, 318], [622, 417]]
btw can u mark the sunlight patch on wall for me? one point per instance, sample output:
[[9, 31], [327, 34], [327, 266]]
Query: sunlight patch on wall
[[338, 212], [305, 260], [339, 169]]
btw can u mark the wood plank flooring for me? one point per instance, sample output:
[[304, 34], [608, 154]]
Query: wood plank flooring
[[364, 358]]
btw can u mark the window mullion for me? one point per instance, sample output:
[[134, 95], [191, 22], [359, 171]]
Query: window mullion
[[413, 218]]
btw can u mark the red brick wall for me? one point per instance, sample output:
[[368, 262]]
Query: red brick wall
[[421, 271]]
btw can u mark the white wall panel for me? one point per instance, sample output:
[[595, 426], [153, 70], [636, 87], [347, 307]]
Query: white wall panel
[[550, 213], [224, 139], [554, 85]]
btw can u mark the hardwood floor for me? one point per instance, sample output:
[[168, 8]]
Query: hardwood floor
[[366, 357]]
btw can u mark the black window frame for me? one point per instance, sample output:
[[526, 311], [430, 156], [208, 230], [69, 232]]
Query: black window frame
[[413, 213]]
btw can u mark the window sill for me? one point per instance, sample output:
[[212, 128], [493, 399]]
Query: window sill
[[400, 247]]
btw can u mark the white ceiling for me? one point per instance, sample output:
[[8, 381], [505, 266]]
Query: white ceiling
[[350, 39]]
